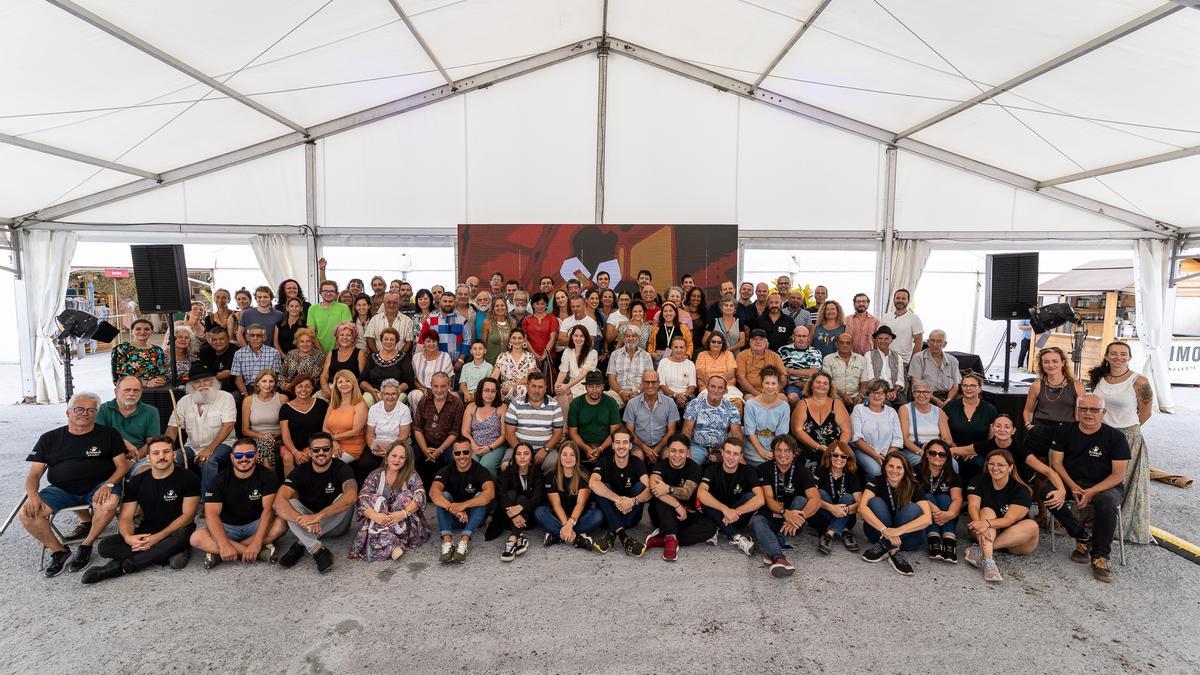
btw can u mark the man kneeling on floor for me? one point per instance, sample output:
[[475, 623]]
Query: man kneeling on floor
[[463, 493], [316, 500], [86, 462], [239, 516], [168, 497]]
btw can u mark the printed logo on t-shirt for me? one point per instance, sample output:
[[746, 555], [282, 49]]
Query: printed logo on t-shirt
[[170, 496], [1004, 510], [469, 488], [628, 482], [329, 488], [255, 495], [737, 489], [1095, 451], [93, 451]]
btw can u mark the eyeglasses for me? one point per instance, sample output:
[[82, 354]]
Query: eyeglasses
[[320, 448], [970, 386], [84, 411], [328, 290], [461, 453], [1080, 409], [242, 455], [924, 392], [935, 453], [838, 455]]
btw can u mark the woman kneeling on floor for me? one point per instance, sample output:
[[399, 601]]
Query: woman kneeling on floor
[[999, 502], [895, 513], [945, 493]]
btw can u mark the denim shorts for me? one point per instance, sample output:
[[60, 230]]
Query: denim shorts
[[58, 499], [240, 532], [793, 389]]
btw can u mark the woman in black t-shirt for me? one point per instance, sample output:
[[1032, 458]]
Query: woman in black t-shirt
[[895, 513], [299, 419], [520, 489], [945, 493], [567, 514], [999, 502], [837, 481], [1034, 469]]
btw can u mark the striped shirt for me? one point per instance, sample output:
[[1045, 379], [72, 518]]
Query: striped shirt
[[452, 333], [424, 369], [533, 425]]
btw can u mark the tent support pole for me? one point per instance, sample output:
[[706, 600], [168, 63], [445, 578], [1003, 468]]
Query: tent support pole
[[601, 128], [25, 331], [310, 217], [883, 281]]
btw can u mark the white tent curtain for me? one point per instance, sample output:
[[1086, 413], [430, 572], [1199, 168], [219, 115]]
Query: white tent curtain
[[47, 265], [1155, 315], [908, 263], [281, 257]]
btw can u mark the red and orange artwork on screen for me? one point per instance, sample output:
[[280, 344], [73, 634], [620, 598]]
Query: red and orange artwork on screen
[[562, 252]]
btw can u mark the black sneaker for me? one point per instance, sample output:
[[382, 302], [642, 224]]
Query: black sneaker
[[180, 560], [950, 550], [586, 542], [324, 559], [633, 546], [522, 545], [110, 570], [900, 564], [58, 562], [849, 540], [83, 556], [211, 560], [825, 545], [292, 556], [604, 542], [875, 554], [550, 540], [510, 551], [934, 545]]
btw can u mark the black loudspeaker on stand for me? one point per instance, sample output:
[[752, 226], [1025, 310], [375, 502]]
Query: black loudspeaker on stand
[[1010, 293], [160, 274]]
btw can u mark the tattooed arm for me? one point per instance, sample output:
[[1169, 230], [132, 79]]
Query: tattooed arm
[[1145, 398]]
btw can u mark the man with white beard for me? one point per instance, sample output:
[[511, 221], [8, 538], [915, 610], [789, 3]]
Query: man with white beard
[[134, 420], [208, 415]]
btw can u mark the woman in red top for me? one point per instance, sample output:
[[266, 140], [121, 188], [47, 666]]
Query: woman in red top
[[541, 329]]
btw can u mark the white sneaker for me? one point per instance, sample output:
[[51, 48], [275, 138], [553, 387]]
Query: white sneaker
[[743, 544], [714, 540]]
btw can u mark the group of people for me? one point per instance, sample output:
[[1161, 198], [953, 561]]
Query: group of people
[[574, 411]]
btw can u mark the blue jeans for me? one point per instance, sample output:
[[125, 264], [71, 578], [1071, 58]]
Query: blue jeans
[[491, 461], [475, 517], [766, 529], [589, 520], [613, 518], [825, 521], [907, 513], [734, 527], [241, 532], [867, 464], [211, 468], [942, 501], [699, 454], [58, 499]]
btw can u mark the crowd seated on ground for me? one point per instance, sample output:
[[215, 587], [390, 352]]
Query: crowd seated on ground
[[577, 409]]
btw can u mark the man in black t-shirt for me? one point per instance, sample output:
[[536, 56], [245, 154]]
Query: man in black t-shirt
[[619, 485], [86, 462], [789, 499], [673, 510], [463, 493], [316, 500], [729, 495], [217, 355], [167, 498], [1090, 457], [239, 514]]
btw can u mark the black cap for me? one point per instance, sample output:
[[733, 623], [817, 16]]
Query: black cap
[[199, 371], [758, 332], [883, 330], [593, 377]]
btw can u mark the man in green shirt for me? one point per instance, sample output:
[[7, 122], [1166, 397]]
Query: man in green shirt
[[327, 314], [134, 420], [591, 420]]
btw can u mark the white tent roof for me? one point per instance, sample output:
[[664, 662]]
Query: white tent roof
[[774, 114]]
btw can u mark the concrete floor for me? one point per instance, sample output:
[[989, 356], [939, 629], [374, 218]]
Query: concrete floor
[[564, 610]]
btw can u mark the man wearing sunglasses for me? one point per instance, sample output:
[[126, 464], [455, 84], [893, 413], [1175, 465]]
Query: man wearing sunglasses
[[316, 500], [462, 493], [239, 518], [1091, 457], [167, 498], [86, 462]]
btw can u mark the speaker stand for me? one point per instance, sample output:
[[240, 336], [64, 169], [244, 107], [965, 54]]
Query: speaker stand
[[64, 346], [1008, 345], [174, 382]]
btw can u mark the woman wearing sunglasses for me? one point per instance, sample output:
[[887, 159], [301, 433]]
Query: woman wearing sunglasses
[[945, 492], [837, 482], [999, 502]]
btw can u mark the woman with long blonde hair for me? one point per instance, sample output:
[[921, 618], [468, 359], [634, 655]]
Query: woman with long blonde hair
[[346, 421]]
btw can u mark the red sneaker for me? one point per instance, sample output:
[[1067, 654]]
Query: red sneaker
[[671, 548], [656, 541]]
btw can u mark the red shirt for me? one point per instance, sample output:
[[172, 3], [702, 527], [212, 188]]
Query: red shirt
[[540, 333]]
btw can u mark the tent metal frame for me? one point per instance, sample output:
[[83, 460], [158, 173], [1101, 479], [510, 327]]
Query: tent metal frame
[[421, 41], [804, 26], [1123, 166], [74, 156]]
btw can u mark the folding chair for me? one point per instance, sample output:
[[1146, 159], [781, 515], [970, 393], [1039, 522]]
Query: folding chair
[[1082, 516], [62, 538]]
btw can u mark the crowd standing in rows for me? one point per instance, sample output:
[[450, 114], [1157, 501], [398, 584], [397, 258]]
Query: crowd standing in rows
[[576, 411]]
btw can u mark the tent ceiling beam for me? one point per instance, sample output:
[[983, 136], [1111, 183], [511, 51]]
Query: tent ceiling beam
[[1039, 70], [728, 84], [792, 42], [74, 156], [175, 228], [145, 47], [1123, 166], [1020, 236], [384, 111], [421, 41]]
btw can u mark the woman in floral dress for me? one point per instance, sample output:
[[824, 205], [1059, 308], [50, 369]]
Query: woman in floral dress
[[392, 506]]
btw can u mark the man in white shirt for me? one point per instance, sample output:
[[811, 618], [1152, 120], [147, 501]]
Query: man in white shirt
[[208, 415], [390, 317], [885, 363], [905, 325], [577, 318]]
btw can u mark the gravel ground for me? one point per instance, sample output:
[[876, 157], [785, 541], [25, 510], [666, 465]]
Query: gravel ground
[[564, 610]]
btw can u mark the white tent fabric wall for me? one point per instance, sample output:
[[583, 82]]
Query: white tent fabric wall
[[908, 263], [46, 280], [281, 257], [1155, 316]]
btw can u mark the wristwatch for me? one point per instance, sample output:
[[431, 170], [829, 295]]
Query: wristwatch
[[110, 486]]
